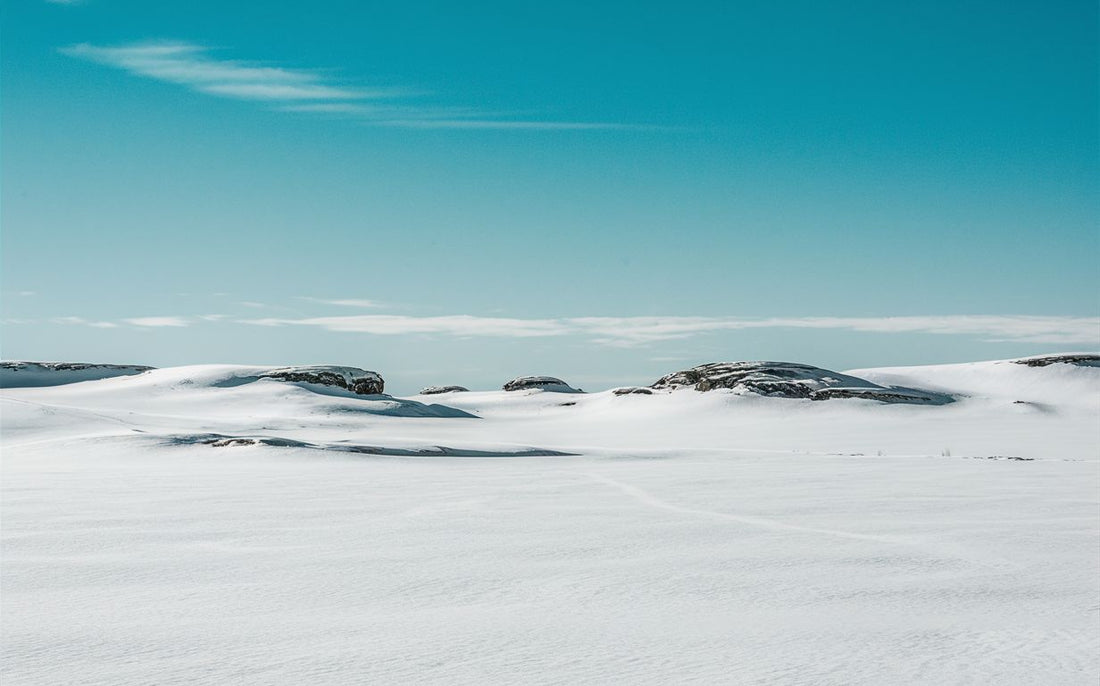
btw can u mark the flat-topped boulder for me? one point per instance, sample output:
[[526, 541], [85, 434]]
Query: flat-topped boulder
[[791, 380], [21, 374], [436, 390], [358, 381], [542, 383], [1078, 359]]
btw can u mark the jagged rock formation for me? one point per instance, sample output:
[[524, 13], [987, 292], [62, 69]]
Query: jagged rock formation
[[358, 381], [436, 390], [633, 390], [18, 374], [1079, 359], [545, 383], [792, 380]]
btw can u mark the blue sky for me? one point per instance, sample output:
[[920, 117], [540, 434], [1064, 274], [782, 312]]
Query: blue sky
[[451, 193]]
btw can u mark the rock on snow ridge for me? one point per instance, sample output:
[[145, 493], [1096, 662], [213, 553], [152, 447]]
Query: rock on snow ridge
[[544, 383], [792, 380], [436, 390], [1077, 359], [358, 381]]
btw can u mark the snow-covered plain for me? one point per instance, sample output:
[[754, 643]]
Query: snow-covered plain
[[204, 525]]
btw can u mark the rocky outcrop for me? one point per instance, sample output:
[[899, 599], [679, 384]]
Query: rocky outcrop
[[792, 380], [17, 374], [358, 381], [632, 390], [785, 379], [542, 383], [436, 390], [1078, 359], [894, 394]]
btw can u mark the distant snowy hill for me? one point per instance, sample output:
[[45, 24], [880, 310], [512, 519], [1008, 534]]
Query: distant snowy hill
[[16, 374], [987, 408]]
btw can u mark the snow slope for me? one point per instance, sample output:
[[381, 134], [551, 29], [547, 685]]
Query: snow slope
[[16, 374], [203, 524]]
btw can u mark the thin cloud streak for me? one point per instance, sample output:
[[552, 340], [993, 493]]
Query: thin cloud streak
[[151, 322], [345, 302], [190, 65], [306, 91], [636, 331], [80, 321], [506, 124], [454, 325]]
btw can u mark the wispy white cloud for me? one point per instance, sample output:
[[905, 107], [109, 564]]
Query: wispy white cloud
[[1021, 328], [158, 321], [454, 325], [305, 90], [635, 331], [80, 321], [508, 124], [344, 302], [191, 65]]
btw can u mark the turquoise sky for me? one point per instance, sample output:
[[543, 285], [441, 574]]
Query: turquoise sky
[[461, 193]]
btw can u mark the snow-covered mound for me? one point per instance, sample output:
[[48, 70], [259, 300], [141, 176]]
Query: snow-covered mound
[[542, 383], [186, 398], [792, 380], [1054, 384], [437, 390], [18, 374]]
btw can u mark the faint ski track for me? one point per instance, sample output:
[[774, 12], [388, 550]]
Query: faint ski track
[[653, 501]]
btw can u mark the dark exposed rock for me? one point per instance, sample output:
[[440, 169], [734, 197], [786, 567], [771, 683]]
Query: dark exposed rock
[[792, 380], [226, 442], [787, 379], [884, 395], [358, 381], [223, 441], [435, 390], [1079, 359], [545, 383], [17, 374], [1011, 458], [633, 390]]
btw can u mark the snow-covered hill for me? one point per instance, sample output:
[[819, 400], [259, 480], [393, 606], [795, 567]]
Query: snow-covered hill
[[254, 525], [17, 374], [990, 408]]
